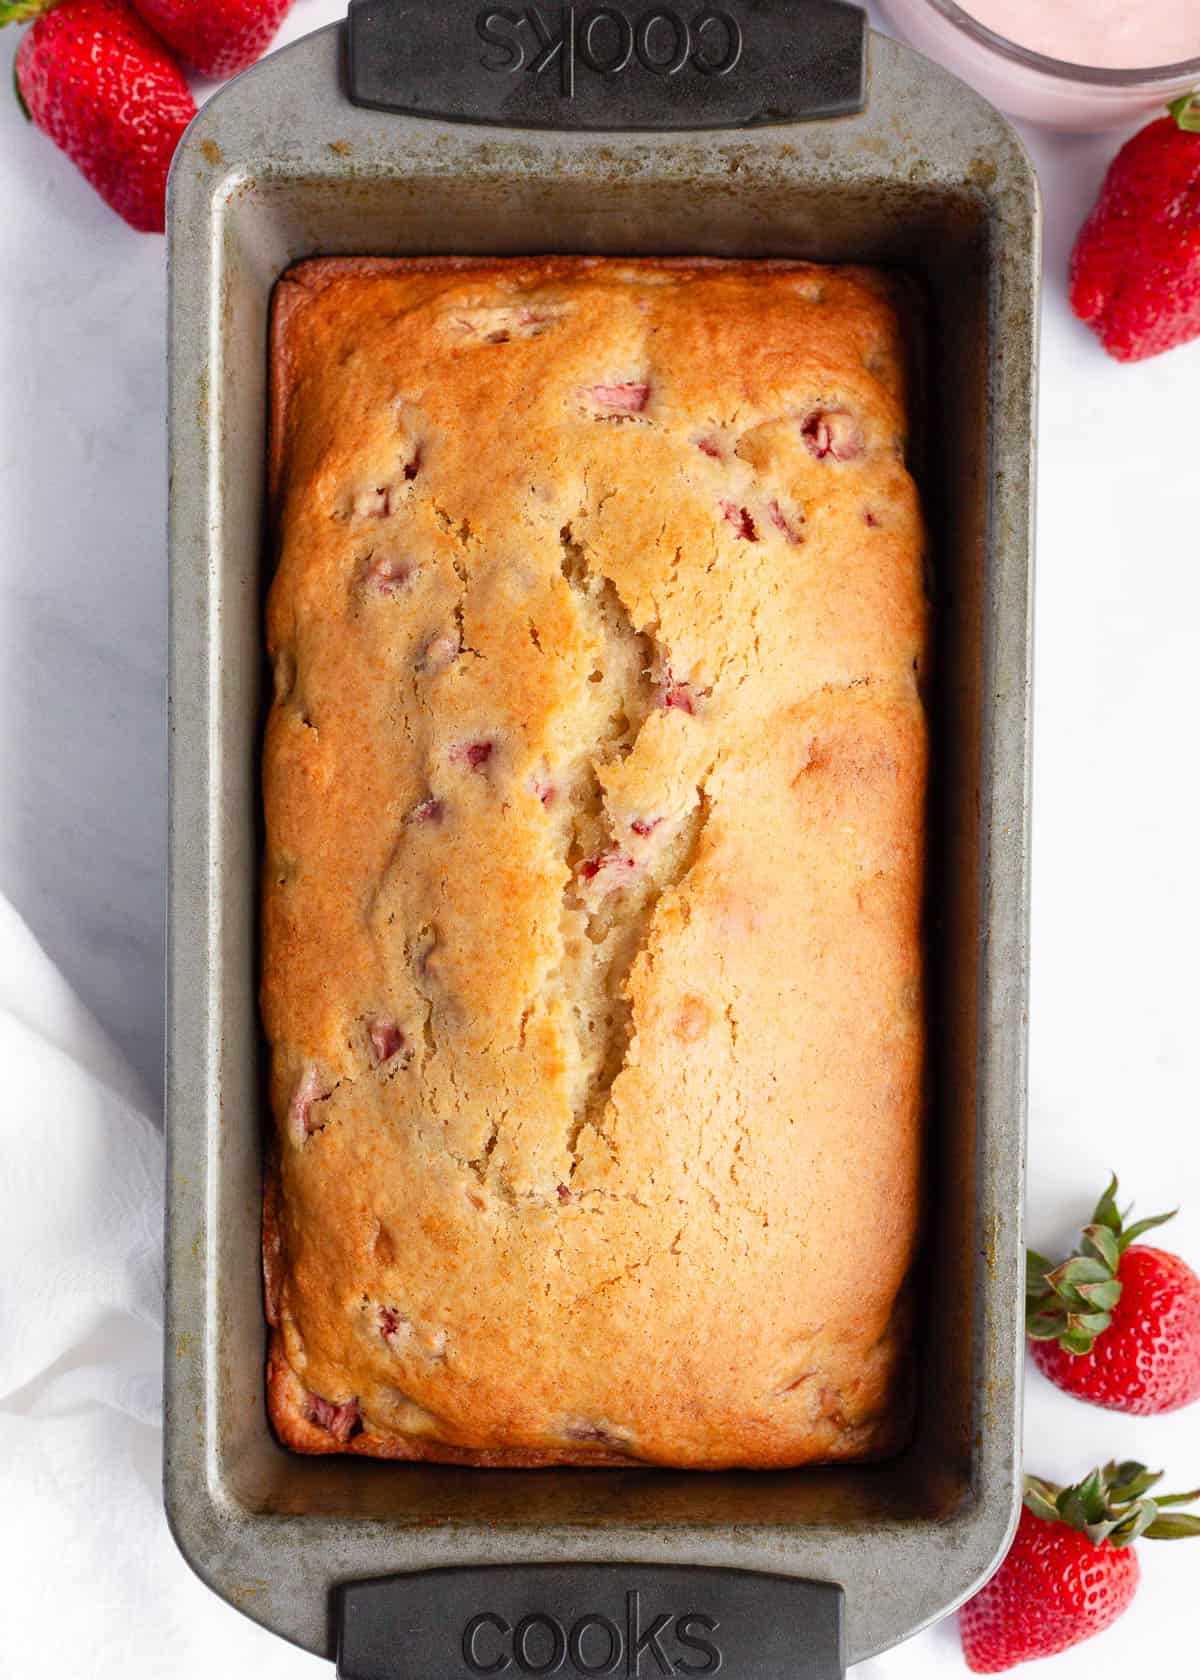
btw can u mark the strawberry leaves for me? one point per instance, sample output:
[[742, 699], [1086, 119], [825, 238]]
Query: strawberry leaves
[[20, 97], [1186, 111], [1107, 1216], [21, 11], [1178, 1526], [1111, 1504], [1072, 1303]]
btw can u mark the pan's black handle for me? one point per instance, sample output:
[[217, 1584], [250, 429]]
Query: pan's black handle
[[627, 1622], [612, 64]]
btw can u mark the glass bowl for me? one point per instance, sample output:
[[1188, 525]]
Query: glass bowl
[[1029, 85]]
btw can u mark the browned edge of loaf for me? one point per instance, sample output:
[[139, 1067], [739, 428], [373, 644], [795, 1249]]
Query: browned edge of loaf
[[311, 275]]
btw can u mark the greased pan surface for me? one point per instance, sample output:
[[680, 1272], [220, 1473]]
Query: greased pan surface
[[929, 179]]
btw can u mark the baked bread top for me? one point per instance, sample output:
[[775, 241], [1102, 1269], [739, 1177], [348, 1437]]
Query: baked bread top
[[594, 791]]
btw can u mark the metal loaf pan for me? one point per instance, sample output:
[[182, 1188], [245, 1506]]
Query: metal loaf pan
[[928, 178]]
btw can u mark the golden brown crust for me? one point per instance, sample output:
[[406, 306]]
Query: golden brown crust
[[594, 793]]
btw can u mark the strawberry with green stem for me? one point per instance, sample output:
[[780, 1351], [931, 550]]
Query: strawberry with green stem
[[1071, 1569], [1118, 1321]]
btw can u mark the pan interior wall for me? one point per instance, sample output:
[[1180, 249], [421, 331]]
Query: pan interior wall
[[941, 237]]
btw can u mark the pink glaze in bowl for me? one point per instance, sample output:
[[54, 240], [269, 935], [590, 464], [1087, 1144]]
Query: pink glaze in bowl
[[1055, 92]]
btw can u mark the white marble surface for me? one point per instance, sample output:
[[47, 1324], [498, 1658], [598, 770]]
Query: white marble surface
[[1116, 923]]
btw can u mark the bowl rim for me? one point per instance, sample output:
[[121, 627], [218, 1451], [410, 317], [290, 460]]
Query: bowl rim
[[1061, 68]]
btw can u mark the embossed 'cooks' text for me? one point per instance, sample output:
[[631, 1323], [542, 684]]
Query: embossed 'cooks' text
[[593, 1644], [607, 41]]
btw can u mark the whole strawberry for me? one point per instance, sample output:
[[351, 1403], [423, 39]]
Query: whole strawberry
[[1117, 1324], [1071, 1570], [1135, 272], [104, 88], [216, 37]]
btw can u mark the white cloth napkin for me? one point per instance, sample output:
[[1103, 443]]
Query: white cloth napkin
[[93, 1584]]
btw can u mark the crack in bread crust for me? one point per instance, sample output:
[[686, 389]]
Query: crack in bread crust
[[604, 932]]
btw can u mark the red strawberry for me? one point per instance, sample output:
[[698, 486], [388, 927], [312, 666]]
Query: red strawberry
[[1135, 272], [1116, 1324], [1070, 1571], [216, 37], [105, 89]]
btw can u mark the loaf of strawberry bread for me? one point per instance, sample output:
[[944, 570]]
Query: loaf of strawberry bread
[[594, 789]]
